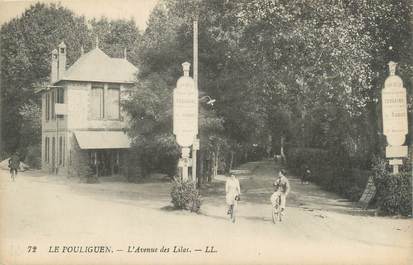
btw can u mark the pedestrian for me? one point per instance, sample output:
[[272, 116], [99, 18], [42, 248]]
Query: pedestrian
[[306, 175], [14, 165], [282, 185], [232, 191]]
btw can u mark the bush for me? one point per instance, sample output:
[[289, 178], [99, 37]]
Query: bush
[[394, 192], [131, 165], [79, 164], [185, 195], [34, 156], [148, 155]]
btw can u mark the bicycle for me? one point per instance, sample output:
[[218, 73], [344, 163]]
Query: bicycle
[[276, 207], [232, 209], [13, 173]]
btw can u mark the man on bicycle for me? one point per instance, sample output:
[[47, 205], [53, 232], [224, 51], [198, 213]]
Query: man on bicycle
[[14, 164], [282, 186]]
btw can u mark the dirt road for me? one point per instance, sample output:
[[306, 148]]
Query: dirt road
[[67, 222]]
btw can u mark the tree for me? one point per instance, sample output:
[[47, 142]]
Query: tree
[[31, 125], [117, 36], [150, 111], [26, 48]]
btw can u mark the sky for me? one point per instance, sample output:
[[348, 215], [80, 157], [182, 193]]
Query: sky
[[137, 9]]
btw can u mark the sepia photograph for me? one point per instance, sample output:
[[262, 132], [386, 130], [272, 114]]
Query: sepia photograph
[[274, 132]]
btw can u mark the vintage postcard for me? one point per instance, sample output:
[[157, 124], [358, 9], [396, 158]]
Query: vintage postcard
[[206, 132]]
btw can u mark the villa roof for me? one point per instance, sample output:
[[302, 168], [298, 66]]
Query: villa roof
[[96, 66]]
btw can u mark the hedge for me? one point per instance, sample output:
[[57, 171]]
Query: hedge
[[328, 171], [394, 191]]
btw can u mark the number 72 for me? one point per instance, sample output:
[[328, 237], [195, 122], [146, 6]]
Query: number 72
[[31, 249]]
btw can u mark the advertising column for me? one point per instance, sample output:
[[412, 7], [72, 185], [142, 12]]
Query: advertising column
[[394, 108], [185, 116]]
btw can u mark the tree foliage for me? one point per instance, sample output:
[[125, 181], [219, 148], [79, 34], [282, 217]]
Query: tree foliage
[[309, 70], [117, 36], [26, 45], [150, 111]]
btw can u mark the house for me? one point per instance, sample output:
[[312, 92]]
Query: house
[[82, 120]]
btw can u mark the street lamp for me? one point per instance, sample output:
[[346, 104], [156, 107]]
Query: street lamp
[[210, 101]]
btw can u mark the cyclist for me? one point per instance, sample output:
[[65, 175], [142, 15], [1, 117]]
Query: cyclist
[[14, 164], [233, 191], [282, 187]]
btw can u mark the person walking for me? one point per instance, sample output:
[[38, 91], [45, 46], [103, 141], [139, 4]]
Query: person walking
[[232, 191], [306, 175], [14, 165], [282, 185]]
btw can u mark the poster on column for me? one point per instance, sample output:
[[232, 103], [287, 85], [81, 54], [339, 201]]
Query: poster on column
[[185, 110], [394, 109]]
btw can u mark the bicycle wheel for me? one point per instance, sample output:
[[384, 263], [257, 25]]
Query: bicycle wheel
[[233, 213], [276, 211], [279, 209], [274, 215]]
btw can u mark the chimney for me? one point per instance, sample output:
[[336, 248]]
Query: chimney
[[62, 59], [53, 72]]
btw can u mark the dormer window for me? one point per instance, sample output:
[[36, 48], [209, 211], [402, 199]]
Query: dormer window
[[62, 50]]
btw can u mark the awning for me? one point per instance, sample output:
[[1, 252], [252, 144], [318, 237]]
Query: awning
[[102, 139]]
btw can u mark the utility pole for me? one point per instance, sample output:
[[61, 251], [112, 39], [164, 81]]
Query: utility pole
[[195, 74]]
